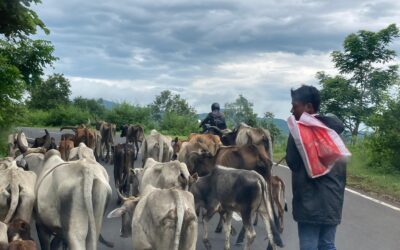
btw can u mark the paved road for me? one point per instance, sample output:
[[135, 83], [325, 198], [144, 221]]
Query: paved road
[[366, 225]]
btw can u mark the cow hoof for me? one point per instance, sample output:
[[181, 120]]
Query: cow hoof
[[207, 244], [233, 231], [239, 242]]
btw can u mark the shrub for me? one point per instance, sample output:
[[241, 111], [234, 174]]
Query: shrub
[[174, 124]]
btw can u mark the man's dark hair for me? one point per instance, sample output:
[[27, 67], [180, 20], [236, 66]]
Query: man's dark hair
[[307, 94]]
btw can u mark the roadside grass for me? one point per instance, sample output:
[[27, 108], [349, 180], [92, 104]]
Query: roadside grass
[[362, 177]]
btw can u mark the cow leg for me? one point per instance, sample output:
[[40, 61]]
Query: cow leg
[[75, 231], [227, 229], [56, 243], [240, 237], [44, 237], [256, 220], [218, 229], [108, 156], [272, 233], [249, 229], [210, 212], [137, 149], [206, 241]]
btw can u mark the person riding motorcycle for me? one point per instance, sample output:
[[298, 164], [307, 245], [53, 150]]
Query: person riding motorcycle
[[214, 118]]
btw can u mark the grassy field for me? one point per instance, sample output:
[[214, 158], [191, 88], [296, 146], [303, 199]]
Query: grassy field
[[362, 177]]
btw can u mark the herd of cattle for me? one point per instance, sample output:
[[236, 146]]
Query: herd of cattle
[[182, 183]]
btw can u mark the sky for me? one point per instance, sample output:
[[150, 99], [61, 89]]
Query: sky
[[206, 51]]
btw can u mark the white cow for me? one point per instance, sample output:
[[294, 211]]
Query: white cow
[[65, 205], [172, 174], [163, 219], [17, 186], [158, 147]]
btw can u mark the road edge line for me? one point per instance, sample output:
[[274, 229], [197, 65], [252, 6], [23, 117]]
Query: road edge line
[[363, 196]]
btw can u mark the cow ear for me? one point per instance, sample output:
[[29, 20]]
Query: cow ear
[[118, 212]]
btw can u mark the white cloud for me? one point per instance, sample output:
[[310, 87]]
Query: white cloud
[[205, 50]]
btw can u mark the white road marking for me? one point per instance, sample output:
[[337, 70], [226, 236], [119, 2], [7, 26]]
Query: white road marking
[[363, 195]]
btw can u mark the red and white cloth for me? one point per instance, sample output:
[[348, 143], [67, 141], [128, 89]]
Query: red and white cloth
[[319, 146]]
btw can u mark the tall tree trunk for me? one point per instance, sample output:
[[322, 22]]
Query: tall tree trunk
[[354, 133]]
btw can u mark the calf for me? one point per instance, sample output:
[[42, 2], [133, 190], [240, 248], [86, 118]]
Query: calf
[[156, 174], [124, 159], [19, 236], [163, 219], [65, 148], [248, 157], [278, 195], [22, 245], [19, 229], [239, 191]]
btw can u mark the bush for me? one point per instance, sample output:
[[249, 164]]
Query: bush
[[383, 146], [125, 113], [36, 118], [174, 124]]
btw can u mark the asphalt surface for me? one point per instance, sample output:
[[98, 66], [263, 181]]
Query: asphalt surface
[[366, 225]]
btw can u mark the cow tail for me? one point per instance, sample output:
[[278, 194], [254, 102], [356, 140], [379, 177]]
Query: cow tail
[[180, 214], [14, 187], [88, 178], [161, 145], [276, 238], [267, 141]]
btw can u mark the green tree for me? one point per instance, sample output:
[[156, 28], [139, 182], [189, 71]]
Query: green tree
[[94, 107], [267, 122], [384, 144], [125, 113], [31, 57], [53, 92], [241, 110], [167, 102], [11, 84], [18, 20], [362, 88]]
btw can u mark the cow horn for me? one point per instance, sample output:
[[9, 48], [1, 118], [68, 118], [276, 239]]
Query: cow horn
[[22, 147], [121, 196], [69, 127]]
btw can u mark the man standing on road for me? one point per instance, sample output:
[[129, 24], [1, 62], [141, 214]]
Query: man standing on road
[[317, 202]]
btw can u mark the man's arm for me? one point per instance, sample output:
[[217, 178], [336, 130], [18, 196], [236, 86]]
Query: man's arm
[[293, 158], [206, 120]]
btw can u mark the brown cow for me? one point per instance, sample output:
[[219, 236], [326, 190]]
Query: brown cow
[[176, 147], [19, 229], [278, 195], [22, 245], [19, 236], [212, 141], [82, 134], [65, 147], [245, 134]]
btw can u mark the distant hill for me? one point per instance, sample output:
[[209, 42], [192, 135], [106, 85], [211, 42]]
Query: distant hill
[[280, 123], [108, 104]]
